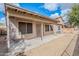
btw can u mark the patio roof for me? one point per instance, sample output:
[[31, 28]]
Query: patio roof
[[29, 12]]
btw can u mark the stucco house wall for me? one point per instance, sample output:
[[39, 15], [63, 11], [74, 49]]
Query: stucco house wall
[[14, 26], [17, 15]]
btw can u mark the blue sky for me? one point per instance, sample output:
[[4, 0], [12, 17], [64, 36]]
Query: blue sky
[[38, 8], [51, 10]]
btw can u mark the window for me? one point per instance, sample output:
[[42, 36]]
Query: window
[[51, 28], [22, 27], [25, 28], [46, 27], [58, 27], [29, 27]]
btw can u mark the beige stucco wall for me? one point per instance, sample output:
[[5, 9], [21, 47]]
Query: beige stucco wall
[[14, 24], [68, 30], [48, 32], [29, 18], [55, 27]]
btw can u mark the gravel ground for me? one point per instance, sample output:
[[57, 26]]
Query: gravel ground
[[3, 45]]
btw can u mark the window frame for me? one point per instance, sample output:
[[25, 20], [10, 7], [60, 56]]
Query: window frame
[[26, 28], [31, 28], [46, 30]]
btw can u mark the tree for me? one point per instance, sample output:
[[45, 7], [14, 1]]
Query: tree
[[73, 15]]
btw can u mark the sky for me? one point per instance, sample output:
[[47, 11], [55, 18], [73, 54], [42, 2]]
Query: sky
[[51, 10]]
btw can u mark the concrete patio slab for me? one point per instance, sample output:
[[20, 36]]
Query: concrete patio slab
[[53, 47]]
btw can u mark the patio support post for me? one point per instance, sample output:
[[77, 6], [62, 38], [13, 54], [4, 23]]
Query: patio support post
[[54, 29], [8, 34], [41, 31], [62, 29]]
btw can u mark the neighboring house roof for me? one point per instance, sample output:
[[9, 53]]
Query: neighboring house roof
[[60, 20]]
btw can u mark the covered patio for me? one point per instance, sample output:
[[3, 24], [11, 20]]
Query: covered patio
[[23, 26]]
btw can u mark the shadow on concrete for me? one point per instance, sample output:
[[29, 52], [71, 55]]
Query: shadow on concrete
[[76, 49]]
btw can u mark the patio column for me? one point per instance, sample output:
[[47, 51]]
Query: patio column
[[41, 31], [62, 29], [8, 34], [54, 28]]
